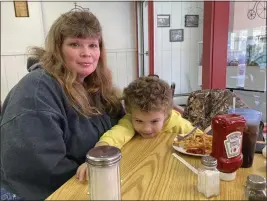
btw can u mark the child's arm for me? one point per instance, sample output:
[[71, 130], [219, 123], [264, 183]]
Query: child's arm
[[181, 125], [186, 126], [119, 134]]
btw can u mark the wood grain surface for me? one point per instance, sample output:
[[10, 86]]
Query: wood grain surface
[[150, 172]]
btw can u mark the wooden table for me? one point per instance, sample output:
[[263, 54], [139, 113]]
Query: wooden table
[[150, 172]]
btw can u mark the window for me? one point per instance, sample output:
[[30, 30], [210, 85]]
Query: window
[[246, 66]]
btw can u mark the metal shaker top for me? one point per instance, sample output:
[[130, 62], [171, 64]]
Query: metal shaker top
[[209, 161], [256, 182], [103, 156]]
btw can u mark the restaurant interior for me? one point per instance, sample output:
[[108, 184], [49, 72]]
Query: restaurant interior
[[212, 54]]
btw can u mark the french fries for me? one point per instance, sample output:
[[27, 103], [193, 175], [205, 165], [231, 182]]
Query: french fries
[[197, 141]]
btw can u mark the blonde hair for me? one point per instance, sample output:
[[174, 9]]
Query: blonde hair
[[148, 94], [97, 94]]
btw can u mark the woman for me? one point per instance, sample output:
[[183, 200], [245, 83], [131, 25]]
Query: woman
[[58, 111]]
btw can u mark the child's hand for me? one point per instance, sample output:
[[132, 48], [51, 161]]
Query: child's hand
[[82, 172], [98, 144]]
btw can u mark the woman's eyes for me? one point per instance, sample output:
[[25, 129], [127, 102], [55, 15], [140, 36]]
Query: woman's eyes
[[156, 121], [93, 45], [74, 44], [77, 45]]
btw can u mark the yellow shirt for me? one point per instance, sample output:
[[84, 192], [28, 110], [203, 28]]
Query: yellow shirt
[[121, 133]]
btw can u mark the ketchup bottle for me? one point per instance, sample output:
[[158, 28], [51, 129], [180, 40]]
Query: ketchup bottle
[[227, 144]]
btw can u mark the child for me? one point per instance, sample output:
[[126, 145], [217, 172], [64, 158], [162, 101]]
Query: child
[[148, 103]]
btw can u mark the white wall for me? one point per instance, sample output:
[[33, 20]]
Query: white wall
[[17, 34], [178, 61]]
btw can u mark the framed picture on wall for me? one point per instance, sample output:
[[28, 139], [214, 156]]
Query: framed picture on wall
[[163, 21], [191, 20], [176, 35], [21, 8]]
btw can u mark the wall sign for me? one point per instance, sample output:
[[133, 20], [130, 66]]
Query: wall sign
[[259, 8], [191, 20], [176, 35], [163, 21], [21, 8]]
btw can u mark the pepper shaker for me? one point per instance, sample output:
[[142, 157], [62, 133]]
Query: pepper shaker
[[104, 173], [255, 188]]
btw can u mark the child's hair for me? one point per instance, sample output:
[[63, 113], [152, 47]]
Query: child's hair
[[148, 94]]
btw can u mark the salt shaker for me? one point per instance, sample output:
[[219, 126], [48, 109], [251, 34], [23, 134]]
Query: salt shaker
[[255, 188], [208, 177], [104, 173]]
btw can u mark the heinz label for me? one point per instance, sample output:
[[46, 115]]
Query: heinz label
[[232, 144]]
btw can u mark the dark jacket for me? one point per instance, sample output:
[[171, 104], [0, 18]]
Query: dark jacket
[[43, 139]]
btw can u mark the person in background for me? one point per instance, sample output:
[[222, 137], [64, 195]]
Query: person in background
[[58, 111], [149, 107]]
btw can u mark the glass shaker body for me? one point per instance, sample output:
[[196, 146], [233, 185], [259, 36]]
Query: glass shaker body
[[255, 188], [208, 177], [104, 173]]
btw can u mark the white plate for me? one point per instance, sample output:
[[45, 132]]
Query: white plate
[[182, 150]]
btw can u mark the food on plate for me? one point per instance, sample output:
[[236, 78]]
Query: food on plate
[[196, 151], [197, 143]]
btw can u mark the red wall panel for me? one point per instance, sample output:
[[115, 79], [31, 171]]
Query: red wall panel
[[215, 38]]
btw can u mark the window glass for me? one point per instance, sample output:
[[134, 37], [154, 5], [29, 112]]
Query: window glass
[[246, 58]]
